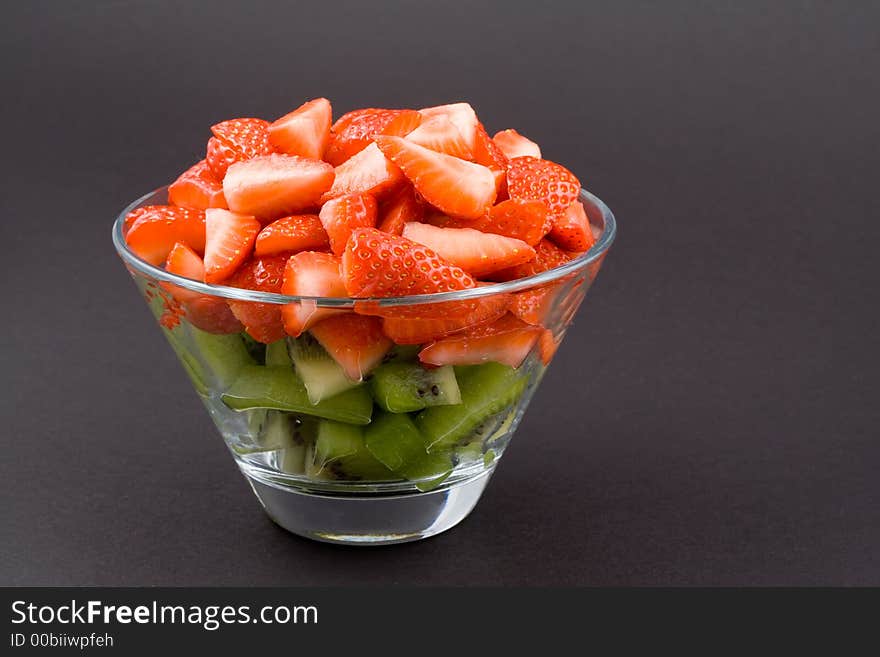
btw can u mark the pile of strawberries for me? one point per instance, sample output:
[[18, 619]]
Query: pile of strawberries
[[380, 203]]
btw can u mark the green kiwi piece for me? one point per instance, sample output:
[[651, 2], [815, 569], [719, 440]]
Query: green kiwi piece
[[322, 376], [485, 390], [279, 388], [340, 449], [394, 440], [276, 354], [429, 470], [403, 387]]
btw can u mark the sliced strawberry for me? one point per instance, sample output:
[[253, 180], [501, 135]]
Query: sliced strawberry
[[456, 187], [354, 341], [524, 220], [305, 131], [571, 229], [229, 241], [197, 188], [298, 232], [400, 208], [547, 346], [354, 131], [155, 229], [367, 172], [203, 311], [478, 253], [340, 216], [533, 179], [262, 321], [461, 115], [490, 156], [457, 316], [513, 144], [310, 274], [439, 134], [276, 185], [547, 256], [376, 264], [534, 306], [234, 141], [507, 341]]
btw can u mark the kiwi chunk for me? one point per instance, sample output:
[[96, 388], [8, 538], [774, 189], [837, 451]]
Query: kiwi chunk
[[429, 470], [340, 449], [276, 354], [221, 357], [394, 440], [485, 390], [322, 376], [401, 387], [279, 388]]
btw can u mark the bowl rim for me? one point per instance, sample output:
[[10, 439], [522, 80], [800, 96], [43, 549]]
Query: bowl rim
[[594, 206]]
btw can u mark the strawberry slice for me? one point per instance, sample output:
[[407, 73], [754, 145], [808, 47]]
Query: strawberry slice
[[460, 316], [547, 346], [340, 216], [203, 311], [534, 306], [354, 131], [490, 156], [354, 341], [533, 179], [310, 274], [456, 187], [402, 207], [513, 144], [440, 134], [571, 229], [197, 188], [478, 253], [376, 264], [367, 172], [229, 240], [298, 232], [262, 321], [155, 229], [461, 115], [276, 185], [524, 220], [305, 131], [507, 340], [547, 256], [234, 141]]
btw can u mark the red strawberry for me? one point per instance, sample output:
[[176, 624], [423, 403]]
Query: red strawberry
[[354, 341], [305, 131], [547, 346], [310, 274], [489, 155], [456, 187], [533, 179], [276, 185], [229, 241], [262, 321], [340, 216], [197, 188], [533, 306], [298, 232], [203, 311], [354, 131], [439, 134], [236, 140], [367, 172], [507, 341], [478, 253], [402, 207], [571, 229], [461, 115], [376, 264], [524, 220], [513, 144], [547, 256], [457, 316], [155, 229]]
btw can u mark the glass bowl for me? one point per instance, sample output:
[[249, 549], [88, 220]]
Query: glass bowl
[[401, 456]]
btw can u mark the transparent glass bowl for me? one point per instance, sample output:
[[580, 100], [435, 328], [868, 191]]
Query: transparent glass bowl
[[314, 466]]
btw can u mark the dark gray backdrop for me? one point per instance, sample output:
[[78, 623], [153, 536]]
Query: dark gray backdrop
[[711, 418]]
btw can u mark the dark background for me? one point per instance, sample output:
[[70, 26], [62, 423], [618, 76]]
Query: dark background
[[712, 417]]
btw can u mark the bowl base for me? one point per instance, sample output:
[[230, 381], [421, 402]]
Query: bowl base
[[366, 519]]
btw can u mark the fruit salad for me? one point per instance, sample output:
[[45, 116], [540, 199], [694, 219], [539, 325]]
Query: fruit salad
[[352, 298]]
